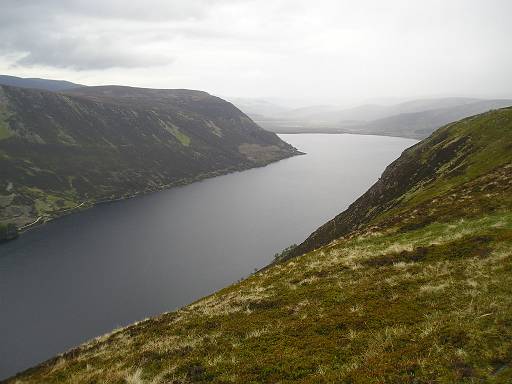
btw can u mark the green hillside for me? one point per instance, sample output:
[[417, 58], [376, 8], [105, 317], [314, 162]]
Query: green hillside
[[65, 151], [412, 284], [429, 181]]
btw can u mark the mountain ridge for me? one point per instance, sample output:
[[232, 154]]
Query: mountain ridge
[[37, 83]]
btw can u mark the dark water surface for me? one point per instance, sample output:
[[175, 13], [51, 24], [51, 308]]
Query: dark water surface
[[88, 273]]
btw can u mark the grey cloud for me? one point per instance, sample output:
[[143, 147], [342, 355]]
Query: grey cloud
[[78, 34], [83, 55], [153, 10], [38, 46], [332, 50]]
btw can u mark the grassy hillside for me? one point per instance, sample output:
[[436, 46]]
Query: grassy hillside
[[427, 175], [64, 151], [416, 288]]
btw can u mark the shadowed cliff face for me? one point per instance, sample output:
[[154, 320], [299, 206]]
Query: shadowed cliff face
[[451, 157], [59, 151]]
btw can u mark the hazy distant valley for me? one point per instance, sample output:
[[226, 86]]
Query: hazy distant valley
[[413, 119], [123, 141]]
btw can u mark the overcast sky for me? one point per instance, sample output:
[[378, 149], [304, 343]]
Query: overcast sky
[[329, 51]]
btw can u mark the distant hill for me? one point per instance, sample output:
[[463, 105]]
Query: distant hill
[[411, 284], [64, 151], [413, 119], [43, 84], [331, 115], [255, 107], [418, 125]]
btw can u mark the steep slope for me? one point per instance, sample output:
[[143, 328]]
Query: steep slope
[[34, 83], [428, 173], [421, 293], [60, 152]]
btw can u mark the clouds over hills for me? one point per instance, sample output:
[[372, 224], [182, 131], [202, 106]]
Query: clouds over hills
[[325, 49]]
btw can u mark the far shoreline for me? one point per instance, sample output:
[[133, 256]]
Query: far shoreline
[[87, 204]]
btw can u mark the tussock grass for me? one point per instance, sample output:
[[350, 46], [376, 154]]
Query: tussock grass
[[444, 317]]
